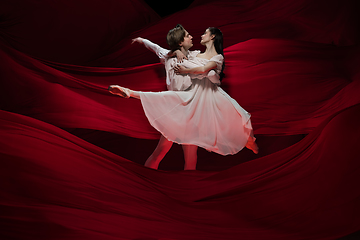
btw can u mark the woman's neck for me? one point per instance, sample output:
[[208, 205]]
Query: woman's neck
[[210, 49]]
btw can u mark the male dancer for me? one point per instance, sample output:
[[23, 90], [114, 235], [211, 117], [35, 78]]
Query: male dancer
[[179, 41]]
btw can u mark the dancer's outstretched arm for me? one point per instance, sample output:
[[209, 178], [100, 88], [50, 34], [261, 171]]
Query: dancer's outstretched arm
[[200, 73], [162, 53]]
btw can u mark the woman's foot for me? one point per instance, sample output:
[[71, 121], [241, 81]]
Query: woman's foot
[[121, 91], [251, 144]]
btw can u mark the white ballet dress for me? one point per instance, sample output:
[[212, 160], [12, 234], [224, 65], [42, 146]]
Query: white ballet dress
[[205, 115]]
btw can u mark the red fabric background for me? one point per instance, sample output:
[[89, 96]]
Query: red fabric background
[[292, 65]]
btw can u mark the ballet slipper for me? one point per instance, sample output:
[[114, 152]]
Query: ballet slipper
[[251, 144], [121, 91]]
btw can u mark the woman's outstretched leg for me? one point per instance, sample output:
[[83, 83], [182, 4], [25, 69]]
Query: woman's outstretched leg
[[190, 156], [163, 146], [123, 92], [159, 153]]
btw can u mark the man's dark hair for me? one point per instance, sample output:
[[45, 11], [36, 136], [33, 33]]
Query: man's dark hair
[[175, 36]]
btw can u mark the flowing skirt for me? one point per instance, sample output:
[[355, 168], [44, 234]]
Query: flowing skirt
[[205, 116]]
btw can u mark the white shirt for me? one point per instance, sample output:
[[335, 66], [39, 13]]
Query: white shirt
[[177, 82]]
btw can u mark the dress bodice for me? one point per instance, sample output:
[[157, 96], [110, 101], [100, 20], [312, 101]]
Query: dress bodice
[[194, 61]]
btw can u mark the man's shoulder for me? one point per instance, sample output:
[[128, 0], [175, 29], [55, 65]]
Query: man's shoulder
[[194, 53], [170, 62]]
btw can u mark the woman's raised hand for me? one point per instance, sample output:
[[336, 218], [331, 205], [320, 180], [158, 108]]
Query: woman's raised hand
[[180, 56]]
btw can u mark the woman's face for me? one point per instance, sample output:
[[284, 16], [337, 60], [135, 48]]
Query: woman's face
[[206, 37]]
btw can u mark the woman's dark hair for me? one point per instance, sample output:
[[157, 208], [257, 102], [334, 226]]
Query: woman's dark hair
[[218, 44]]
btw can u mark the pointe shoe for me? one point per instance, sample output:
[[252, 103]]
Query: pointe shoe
[[251, 144], [121, 91]]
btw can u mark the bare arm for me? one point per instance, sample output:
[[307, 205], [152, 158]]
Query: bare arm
[[179, 55], [197, 70]]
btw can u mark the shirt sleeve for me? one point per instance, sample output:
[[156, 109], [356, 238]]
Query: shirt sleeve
[[176, 82], [162, 53]]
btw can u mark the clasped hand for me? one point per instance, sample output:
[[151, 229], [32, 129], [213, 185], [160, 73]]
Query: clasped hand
[[178, 69], [180, 56]]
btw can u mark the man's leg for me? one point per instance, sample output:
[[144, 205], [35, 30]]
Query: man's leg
[[190, 156], [159, 153]]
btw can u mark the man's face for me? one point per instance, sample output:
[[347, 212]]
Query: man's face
[[187, 43]]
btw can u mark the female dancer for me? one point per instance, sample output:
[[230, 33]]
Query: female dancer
[[180, 42], [204, 116]]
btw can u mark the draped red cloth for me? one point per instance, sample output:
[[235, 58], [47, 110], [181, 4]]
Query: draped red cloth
[[66, 143]]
